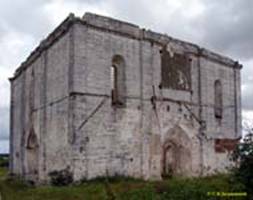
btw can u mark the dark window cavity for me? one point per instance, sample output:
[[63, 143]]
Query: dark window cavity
[[118, 81], [218, 99]]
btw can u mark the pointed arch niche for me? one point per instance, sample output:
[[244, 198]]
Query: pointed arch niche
[[32, 147]]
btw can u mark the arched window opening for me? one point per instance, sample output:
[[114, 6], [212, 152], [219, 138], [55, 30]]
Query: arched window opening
[[118, 86], [114, 84], [218, 99]]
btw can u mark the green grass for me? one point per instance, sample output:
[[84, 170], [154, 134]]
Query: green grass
[[3, 172], [125, 189]]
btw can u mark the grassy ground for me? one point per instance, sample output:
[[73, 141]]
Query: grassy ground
[[176, 188]]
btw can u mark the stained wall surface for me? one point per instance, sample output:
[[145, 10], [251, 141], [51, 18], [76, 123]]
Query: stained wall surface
[[166, 124]]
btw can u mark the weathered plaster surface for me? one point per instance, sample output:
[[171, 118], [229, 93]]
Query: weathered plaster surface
[[63, 92]]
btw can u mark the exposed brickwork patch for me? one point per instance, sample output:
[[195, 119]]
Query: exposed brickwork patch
[[176, 71], [223, 145]]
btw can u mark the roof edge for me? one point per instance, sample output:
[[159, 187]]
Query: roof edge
[[120, 27], [45, 44]]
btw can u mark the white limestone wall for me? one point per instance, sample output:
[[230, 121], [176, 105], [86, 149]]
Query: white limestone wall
[[16, 125], [50, 104], [210, 72], [78, 128], [124, 141], [58, 153], [109, 142], [228, 128]]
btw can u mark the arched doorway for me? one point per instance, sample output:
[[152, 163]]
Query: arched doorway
[[176, 158], [32, 148], [169, 159]]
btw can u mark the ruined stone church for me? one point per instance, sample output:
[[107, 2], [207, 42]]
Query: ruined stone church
[[102, 97]]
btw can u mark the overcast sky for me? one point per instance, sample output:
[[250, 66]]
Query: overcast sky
[[224, 26]]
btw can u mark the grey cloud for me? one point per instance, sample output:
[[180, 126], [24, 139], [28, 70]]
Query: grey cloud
[[228, 26], [92, 2], [247, 98], [223, 26], [158, 16], [4, 123], [247, 85], [2, 29], [24, 16]]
